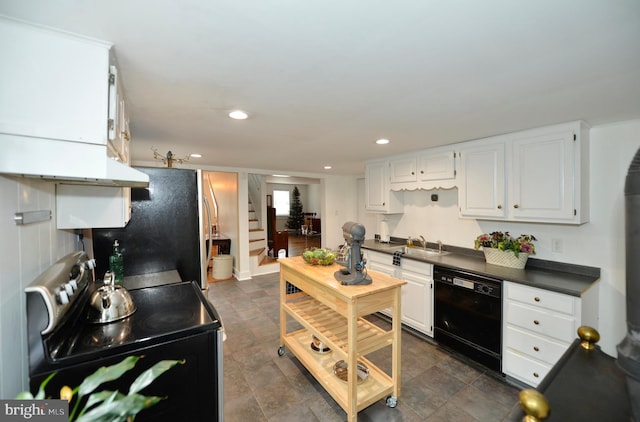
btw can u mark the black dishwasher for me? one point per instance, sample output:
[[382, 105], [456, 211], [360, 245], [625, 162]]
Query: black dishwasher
[[468, 315]]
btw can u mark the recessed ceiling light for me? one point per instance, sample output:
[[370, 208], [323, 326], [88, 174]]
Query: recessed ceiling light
[[194, 155], [238, 115], [382, 141], [327, 167]]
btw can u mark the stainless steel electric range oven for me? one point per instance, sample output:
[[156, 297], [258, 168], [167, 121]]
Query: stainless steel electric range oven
[[468, 315], [171, 321]]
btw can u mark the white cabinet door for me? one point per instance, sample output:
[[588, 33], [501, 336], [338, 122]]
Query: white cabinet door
[[378, 195], [86, 207], [67, 74], [482, 189], [375, 185], [439, 166], [403, 170], [542, 182], [417, 302]]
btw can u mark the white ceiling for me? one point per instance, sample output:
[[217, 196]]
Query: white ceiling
[[322, 80]]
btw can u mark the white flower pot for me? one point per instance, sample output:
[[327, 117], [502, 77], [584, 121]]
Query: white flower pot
[[505, 258]]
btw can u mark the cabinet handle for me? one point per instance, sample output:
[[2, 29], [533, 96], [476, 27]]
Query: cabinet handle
[[535, 321], [516, 206], [421, 171], [535, 374], [537, 299], [412, 173], [536, 348], [499, 207]]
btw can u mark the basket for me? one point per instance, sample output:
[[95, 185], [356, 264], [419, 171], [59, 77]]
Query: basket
[[505, 258]]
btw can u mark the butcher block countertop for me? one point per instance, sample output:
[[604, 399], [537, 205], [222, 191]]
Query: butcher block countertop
[[569, 279], [323, 276]]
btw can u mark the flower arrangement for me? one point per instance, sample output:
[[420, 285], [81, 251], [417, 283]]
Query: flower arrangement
[[504, 242]]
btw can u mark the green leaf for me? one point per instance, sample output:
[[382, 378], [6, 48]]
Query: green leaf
[[105, 374], [119, 410], [148, 376], [24, 395], [102, 396]]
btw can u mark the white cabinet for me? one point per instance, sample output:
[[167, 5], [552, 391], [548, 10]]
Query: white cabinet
[[416, 295], [86, 207], [539, 326], [403, 170], [549, 175], [482, 192], [68, 75], [437, 166], [539, 175], [426, 170], [378, 195]]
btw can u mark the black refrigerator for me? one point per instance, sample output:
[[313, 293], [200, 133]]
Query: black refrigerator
[[165, 230]]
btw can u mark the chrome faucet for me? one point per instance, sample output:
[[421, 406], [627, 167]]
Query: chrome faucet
[[440, 246], [423, 241]]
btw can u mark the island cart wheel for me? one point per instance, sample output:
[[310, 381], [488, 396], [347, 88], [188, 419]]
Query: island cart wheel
[[281, 351], [392, 401]]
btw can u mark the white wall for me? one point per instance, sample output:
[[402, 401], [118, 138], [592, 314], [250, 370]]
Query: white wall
[[25, 252], [599, 243], [339, 205]]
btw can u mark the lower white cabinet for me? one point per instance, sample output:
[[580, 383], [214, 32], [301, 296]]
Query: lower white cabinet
[[539, 326], [416, 295]]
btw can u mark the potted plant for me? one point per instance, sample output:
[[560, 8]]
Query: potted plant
[[502, 249], [105, 405]]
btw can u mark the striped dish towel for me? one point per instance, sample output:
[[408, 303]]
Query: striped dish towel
[[397, 255]]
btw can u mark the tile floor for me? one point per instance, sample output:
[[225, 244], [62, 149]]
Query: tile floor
[[261, 386]]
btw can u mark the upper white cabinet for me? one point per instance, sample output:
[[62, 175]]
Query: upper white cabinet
[[437, 166], [67, 74], [549, 174], [87, 207], [403, 170], [378, 195], [539, 175], [427, 170], [481, 191]]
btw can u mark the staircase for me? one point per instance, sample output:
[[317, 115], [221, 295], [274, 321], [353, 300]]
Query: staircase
[[259, 260]]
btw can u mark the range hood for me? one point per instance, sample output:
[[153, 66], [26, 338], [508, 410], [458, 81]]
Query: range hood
[[65, 162]]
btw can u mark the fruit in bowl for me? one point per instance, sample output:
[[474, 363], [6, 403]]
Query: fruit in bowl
[[319, 256]]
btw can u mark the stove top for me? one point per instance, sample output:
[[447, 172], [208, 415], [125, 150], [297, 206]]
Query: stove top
[[163, 312]]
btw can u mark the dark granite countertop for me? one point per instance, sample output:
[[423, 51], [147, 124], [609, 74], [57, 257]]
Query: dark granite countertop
[[569, 279]]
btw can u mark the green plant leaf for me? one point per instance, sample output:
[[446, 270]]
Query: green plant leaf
[[151, 374], [105, 374], [118, 410], [102, 396], [24, 395]]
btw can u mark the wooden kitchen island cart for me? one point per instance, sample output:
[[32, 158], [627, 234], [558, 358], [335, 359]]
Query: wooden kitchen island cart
[[334, 314]]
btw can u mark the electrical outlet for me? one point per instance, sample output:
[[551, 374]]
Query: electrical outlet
[[556, 245]]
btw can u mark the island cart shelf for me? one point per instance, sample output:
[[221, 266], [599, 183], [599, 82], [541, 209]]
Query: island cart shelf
[[335, 315]]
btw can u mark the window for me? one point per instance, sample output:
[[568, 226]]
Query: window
[[281, 202]]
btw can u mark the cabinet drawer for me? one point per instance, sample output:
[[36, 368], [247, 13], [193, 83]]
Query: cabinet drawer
[[542, 298], [421, 268], [523, 368], [537, 347], [541, 321]]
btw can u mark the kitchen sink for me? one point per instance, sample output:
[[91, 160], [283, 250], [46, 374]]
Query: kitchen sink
[[423, 253]]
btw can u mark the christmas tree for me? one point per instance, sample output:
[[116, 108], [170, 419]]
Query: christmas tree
[[296, 217]]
